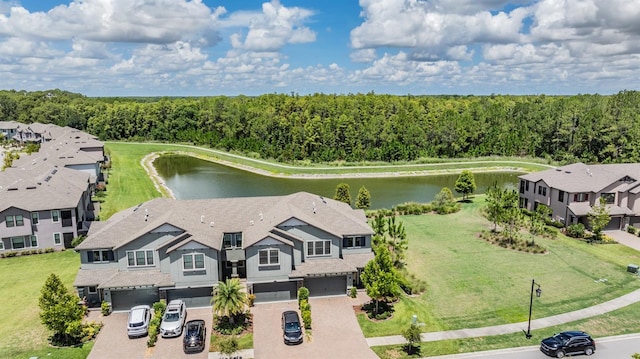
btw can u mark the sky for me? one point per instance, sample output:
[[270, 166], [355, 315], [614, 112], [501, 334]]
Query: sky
[[247, 47]]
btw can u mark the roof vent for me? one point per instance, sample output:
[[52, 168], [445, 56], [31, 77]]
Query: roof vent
[[261, 216], [251, 222], [202, 218], [211, 224], [314, 206], [589, 173]]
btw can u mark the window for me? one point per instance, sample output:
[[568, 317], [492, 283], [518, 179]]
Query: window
[[232, 240], [522, 186], [93, 290], [526, 186], [35, 218], [229, 264], [609, 198], [19, 220], [56, 239], [10, 220], [269, 256], [542, 191], [17, 242], [561, 196], [33, 240], [1, 244], [55, 215], [580, 197], [101, 256], [319, 248], [193, 261], [141, 258], [351, 242]]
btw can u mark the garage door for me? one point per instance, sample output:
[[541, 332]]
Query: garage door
[[126, 299], [193, 297], [326, 286], [270, 292], [613, 224]]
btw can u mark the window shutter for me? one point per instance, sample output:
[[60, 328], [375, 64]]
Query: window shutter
[[90, 256]]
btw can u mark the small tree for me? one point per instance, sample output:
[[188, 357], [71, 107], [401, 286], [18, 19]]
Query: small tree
[[379, 224], [60, 312], [229, 299], [363, 201], [412, 335], [536, 226], [511, 218], [465, 184], [398, 243], [599, 217], [494, 204], [342, 193], [380, 277]]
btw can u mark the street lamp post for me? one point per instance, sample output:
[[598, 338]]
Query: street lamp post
[[538, 294]]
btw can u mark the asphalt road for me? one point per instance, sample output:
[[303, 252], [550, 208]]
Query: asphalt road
[[619, 347]]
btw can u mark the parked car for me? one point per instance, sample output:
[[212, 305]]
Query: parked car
[[291, 328], [568, 343], [138, 323], [195, 336], [173, 319]]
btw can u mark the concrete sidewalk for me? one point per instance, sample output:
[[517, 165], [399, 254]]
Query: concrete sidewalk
[[602, 308]]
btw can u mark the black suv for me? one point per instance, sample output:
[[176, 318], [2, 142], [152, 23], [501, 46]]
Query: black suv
[[568, 343]]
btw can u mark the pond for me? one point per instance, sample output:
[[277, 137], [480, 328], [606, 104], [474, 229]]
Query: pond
[[193, 178]]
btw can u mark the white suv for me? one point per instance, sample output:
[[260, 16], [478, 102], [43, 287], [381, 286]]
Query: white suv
[[138, 323], [173, 319]]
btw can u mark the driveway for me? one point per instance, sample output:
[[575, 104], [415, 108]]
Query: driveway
[[624, 238], [113, 342], [336, 333]]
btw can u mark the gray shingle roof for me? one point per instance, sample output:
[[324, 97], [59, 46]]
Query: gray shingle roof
[[206, 220], [358, 260], [138, 278], [580, 177], [93, 277]]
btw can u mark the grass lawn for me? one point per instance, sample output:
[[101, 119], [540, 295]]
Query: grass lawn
[[245, 341], [472, 283], [621, 321], [21, 332]]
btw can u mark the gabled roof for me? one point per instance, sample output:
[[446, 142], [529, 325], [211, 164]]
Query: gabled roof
[[579, 177], [208, 219]]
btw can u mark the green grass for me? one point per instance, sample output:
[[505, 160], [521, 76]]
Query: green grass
[[80, 352], [622, 321], [245, 341], [21, 332], [472, 283]]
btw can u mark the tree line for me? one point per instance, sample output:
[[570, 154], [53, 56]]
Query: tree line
[[356, 127]]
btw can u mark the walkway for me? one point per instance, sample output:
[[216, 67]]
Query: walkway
[[602, 308]]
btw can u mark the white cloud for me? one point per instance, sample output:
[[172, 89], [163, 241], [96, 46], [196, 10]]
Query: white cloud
[[158, 21], [272, 29]]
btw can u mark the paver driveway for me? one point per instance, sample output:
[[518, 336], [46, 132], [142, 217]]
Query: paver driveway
[[113, 342], [336, 333]]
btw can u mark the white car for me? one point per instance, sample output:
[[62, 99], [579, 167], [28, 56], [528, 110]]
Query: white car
[[138, 323], [174, 318]]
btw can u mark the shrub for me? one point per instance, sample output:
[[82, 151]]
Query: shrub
[[10, 254], [77, 240], [303, 294], [576, 230], [49, 250], [229, 345], [105, 308], [251, 299], [632, 229], [551, 232], [306, 319], [154, 325], [413, 208], [353, 292]]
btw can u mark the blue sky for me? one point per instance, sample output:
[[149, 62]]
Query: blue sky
[[232, 47]]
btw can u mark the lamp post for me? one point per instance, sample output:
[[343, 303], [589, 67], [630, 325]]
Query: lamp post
[[538, 294]]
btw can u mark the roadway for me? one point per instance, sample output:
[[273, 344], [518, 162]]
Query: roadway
[[618, 347]]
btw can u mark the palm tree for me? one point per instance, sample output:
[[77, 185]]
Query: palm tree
[[229, 299]]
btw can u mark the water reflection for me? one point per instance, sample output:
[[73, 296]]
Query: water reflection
[[191, 178]]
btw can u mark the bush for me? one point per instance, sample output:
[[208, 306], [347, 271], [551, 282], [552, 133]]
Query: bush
[[353, 292], [306, 319], [303, 294], [105, 308], [576, 230], [77, 240], [632, 229], [551, 232], [251, 299], [229, 346], [413, 208], [154, 325]]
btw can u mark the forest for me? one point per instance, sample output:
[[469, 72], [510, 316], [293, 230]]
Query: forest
[[590, 128]]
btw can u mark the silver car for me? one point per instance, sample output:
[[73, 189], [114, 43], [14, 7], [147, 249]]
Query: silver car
[[174, 318], [138, 323]]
